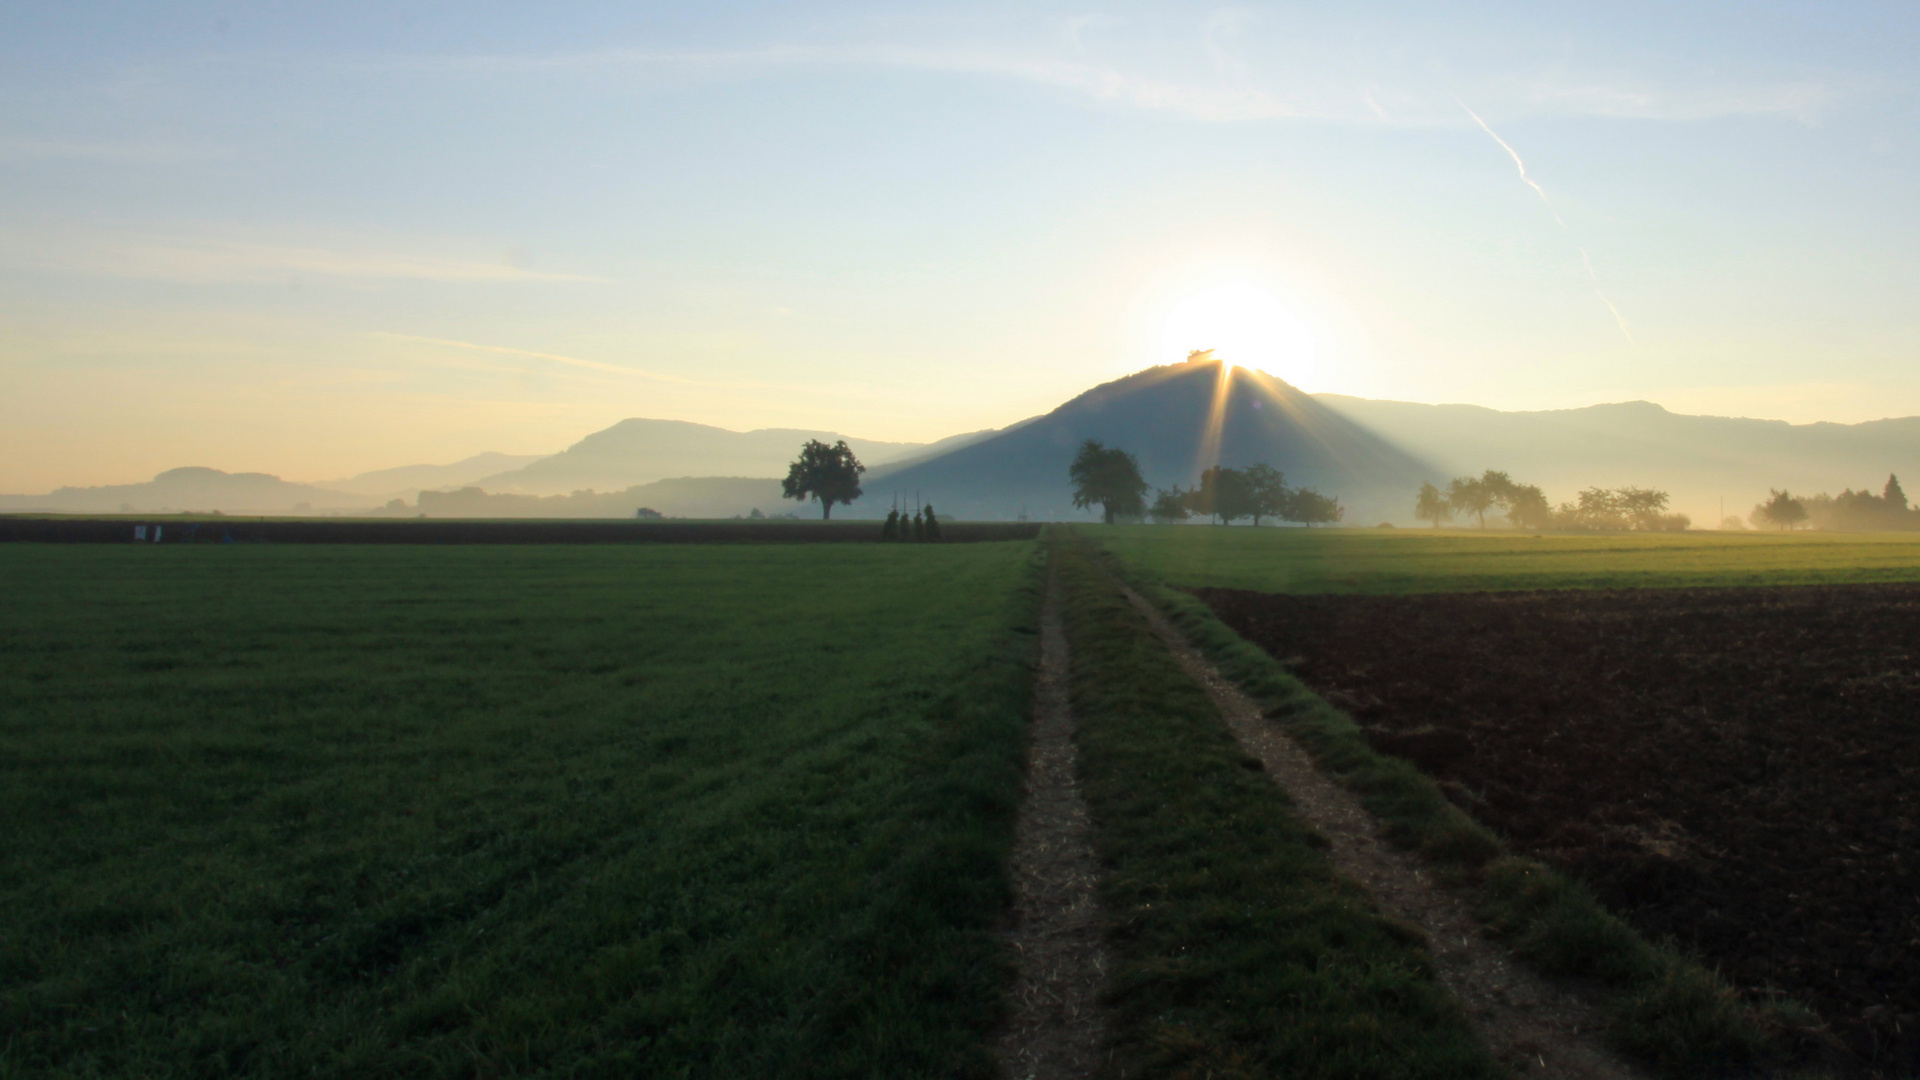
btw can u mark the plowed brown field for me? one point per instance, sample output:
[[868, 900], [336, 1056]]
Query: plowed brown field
[[1736, 768]]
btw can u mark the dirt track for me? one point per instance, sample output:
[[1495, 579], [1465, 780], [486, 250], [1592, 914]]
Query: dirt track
[[1057, 1030], [1537, 1026], [1733, 767]]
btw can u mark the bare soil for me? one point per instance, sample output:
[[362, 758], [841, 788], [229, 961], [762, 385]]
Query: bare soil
[[1056, 1030], [1736, 768]]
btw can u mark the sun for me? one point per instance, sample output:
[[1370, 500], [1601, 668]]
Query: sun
[[1244, 326]]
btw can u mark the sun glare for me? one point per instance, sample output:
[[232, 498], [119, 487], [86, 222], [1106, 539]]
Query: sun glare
[[1245, 327]]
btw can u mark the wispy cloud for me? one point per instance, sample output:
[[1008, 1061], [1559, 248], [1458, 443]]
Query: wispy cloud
[[557, 358], [583, 363], [218, 259], [1227, 78], [1078, 75], [1220, 102], [1637, 97]]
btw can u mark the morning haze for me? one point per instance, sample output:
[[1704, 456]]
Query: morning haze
[[994, 541]]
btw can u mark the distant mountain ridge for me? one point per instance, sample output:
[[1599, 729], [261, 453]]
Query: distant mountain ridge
[[1372, 454], [641, 451], [1699, 460], [1176, 420], [407, 480], [680, 497], [189, 488]]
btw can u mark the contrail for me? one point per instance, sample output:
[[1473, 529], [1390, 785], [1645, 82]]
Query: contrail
[[1585, 260]]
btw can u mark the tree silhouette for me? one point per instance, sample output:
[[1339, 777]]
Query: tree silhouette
[[828, 473], [1109, 477], [1311, 508], [1528, 508], [1432, 505], [1477, 495], [933, 524], [1468, 495], [1782, 509], [1267, 488], [1896, 497], [1225, 494], [1642, 506], [1170, 505]]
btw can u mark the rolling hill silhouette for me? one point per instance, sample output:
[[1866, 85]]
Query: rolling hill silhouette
[[406, 481], [642, 451], [1700, 460], [1177, 420], [189, 488]]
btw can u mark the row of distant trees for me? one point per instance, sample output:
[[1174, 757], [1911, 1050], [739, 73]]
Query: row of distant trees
[[919, 525], [1259, 491], [1109, 477], [1526, 506], [1849, 511]]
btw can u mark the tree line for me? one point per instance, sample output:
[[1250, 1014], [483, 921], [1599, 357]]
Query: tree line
[[1526, 506], [1109, 477], [1849, 511]]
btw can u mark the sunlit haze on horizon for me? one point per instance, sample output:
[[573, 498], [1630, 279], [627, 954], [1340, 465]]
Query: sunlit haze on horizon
[[316, 239]]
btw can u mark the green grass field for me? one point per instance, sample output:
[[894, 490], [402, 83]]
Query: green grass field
[[1451, 560], [456, 811]]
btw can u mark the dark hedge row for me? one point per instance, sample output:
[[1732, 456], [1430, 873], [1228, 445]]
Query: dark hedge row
[[178, 529]]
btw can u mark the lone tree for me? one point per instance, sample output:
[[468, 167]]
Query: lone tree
[[1109, 477], [828, 473], [1268, 488], [1432, 505], [1782, 509]]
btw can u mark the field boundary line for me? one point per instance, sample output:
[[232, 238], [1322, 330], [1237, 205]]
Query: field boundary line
[[1056, 1028], [1544, 1028]]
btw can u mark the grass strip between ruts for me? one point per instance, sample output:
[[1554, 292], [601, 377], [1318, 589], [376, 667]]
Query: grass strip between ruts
[[1239, 951], [1667, 1011]]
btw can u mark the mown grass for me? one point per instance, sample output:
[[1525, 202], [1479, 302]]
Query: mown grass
[[1452, 560], [612, 811], [1239, 952], [1666, 1011]]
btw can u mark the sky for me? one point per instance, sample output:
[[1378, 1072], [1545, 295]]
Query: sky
[[316, 239]]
